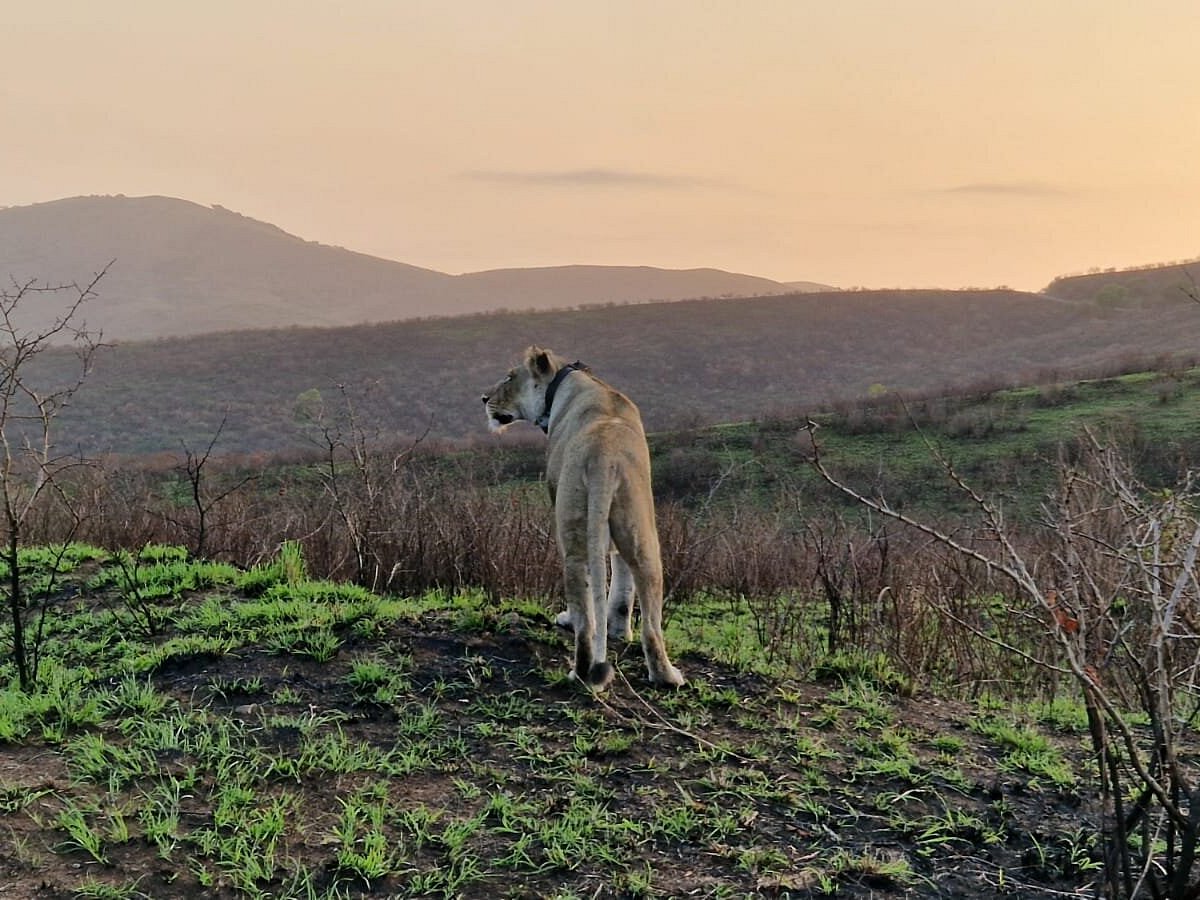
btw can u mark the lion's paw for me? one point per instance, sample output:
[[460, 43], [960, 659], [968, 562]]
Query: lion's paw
[[599, 677], [670, 677]]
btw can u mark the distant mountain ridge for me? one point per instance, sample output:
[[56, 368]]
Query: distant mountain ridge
[[185, 269]]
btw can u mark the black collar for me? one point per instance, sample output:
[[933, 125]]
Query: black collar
[[543, 421]]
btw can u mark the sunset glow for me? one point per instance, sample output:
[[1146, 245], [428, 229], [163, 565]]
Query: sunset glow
[[927, 143]]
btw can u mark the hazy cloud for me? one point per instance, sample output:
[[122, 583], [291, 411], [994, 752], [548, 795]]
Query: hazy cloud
[[1008, 189], [595, 178]]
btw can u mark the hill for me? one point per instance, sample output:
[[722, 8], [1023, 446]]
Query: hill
[[185, 269], [1145, 286], [684, 363]]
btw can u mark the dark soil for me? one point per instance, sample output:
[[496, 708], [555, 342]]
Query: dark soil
[[769, 815]]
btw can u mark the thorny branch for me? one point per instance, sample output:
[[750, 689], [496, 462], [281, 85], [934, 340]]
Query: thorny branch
[[1125, 567]]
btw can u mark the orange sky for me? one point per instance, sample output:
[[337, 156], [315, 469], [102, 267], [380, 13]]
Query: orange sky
[[878, 142]]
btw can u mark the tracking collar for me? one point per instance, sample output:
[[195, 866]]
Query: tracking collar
[[543, 421]]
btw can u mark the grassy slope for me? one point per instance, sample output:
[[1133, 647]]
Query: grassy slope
[[1005, 442], [285, 738]]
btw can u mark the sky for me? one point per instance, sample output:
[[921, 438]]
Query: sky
[[877, 143]]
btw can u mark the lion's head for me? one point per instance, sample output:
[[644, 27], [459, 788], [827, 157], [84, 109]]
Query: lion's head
[[521, 394]]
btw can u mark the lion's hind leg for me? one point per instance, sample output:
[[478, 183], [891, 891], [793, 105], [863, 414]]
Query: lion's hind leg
[[591, 637], [584, 541], [637, 543], [654, 645], [621, 601], [644, 563]]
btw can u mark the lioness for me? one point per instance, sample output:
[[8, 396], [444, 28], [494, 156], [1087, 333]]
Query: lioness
[[598, 469]]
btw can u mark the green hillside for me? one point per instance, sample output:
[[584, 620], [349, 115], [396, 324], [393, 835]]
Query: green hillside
[[1006, 442]]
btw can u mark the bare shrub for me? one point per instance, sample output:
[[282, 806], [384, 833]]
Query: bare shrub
[[32, 466], [206, 499], [812, 581], [1111, 586], [458, 536]]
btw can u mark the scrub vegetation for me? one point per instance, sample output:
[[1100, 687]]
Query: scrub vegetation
[[334, 674]]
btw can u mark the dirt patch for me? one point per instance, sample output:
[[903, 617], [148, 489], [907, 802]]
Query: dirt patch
[[466, 765]]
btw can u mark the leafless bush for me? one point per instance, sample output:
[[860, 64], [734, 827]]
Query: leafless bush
[[358, 473], [812, 581], [1125, 608], [206, 498], [1112, 586], [32, 465]]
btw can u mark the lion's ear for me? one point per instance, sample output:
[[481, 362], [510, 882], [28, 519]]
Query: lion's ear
[[538, 361]]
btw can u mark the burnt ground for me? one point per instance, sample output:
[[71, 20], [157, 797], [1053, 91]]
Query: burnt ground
[[442, 753]]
